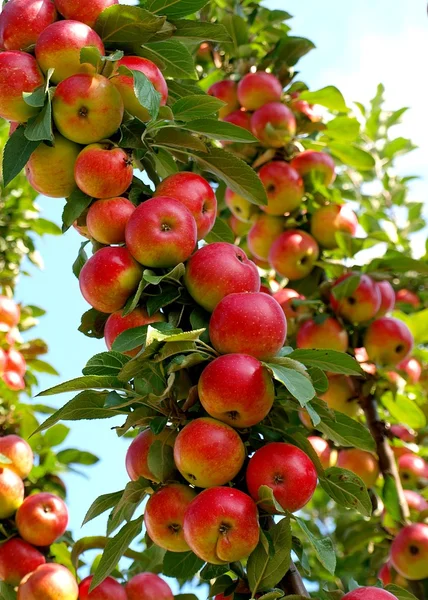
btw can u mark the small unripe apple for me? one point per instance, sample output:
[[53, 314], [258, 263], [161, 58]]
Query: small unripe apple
[[273, 125], [19, 452], [239, 206], [314, 165], [103, 171], [265, 231], [409, 552], [82, 10], [404, 296], [109, 589], [106, 219], [49, 582], [11, 492], [369, 593], [412, 469], [10, 313], [387, 298], [117, 324], [360, 462], [227, 92], [388, 341], [360, 306], [42, 519], [322, 450], [15, 362], [293, 254], [328, 334], [138, 452], [284, 188], [257, 89], [17, 559], [341, 395], [331, 219], [19, 73], [22, 21], [148, 586]]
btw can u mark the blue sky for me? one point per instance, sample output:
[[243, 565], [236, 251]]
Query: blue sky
[[359, 44]]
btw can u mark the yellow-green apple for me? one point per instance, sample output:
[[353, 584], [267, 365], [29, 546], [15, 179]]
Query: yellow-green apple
[[10, 312], [404, 296], [388, 341], [412, 470], [87, 108], [285, 297], [49, 582], [117, 324], [103, 170], [236, 389], [14, 381], [369, 593], [125, 84], [50, 169], [412, 368], [239, 228], [287, 470], [82, 10], [409, 552], [138, 452], [108, 278], [22, 21], [58, 47], [273, 125], [217, 270], [11, 492], [264, 231], [360, 462], [241, 118], [18, 451], [106, 219], [328, 334], [148, 586], [19, 73], [403, 433], [284, 188], [164, 516], [15, 362], [313, 165], [257, 89], [341, 395], [161, 233], [221, 525], [293, 254], [227, 92], [41, 519], [387, 298], [331, 219], [17, 559], [322, 449], [208, 452], [239, 206], [248, 323], [196, 194], [109, 589], [359, 306]]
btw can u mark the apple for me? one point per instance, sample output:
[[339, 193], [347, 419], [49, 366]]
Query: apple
[[257, 89], [82, 10], [164, 516], [42, 519], [103, 171], [109, 589], [360, 462], [239, 206], [49, 582], [19, 73], [108, 278], [241, 118], [106, 219], [409, 552], [328, 334], [19, 452], [412, 469], [362, 357], [415, 501], [221, 525], [196, 194], [322, 450], [369, 593], [285, 297], [304, 108], [412, 368], [331, 219], [287, 470], [148, 586], [11, 492], [403, 433], [137, 455], [22, 21], [208, 452], [17, 559], [274, 125], [293, 254], [117, 324], [217, 270], [14, 381], [388, 341], [341, 395], [359, 306], [15, 362], [239, 228], [10, 312], [313, 165], [248, 323], [87, 108], [404, 296], [236, 389], [125, 84], [284, 188], [264, 231], [387, 298], [227, 92]]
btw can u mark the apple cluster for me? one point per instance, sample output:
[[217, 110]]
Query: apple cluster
[[12, 362]]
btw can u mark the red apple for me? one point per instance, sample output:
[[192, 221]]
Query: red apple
[[103, 171], [82, 10], [273, 125], [322, 449], [257, 89], [137, 454], [293, 254], [14, 381], [304, 108], [387, 298], [227, 92], [412, 368], [409, 552], [415, 501], [403, 433], [407, 297], [239, 228], [385, 574], [239, 206], [265, 230], [17, 559], [106, 219], [148, 586], [284, 187], [362, 463], [22, 21], [15, 362], [117, 324], [285, 297], [109, 589], [362, 304], [42, 519], [240, 118], [19, 73], [19, 452], [388, 341], [10, 312], [369, 593], [341, 395], [331, 219], [328, 334], [49, 582], [314, 165], [11, 492], [412, 470]]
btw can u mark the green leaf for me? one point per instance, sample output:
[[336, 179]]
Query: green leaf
[[84, 383], [344, 129], [39, 127], [347, 489], [56, 435], [176, 57], [101, 504], [237, 28], [391, 498], [404, 409], [146, 94], [299, 385], [292, 48], [72, 455], [329, 96], [397, 147], [181, 565], [7, 592], [106, 363], [164, 163], [35, 98], [197, 31], [352, 155], [221, 232], [220, 130], [43, 226], [399, 592], [122, 26], [40, 366], [344, 430], [346, 287], [161, 460], [17, 152], [213, 571], [279, 594], [195, 107], [328, 360], [319, 379], [81, 259], [173, 137], [91, 55], [92, 323], [135, 337], [76, 204], [267, 498], [323, 547], [175, 9]]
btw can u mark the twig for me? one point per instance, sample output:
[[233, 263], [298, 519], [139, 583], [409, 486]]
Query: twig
[[292, 583]]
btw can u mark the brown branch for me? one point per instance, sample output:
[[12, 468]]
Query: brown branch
[[292, 583]]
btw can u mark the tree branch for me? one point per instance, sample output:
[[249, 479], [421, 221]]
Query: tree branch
[[292, 583]]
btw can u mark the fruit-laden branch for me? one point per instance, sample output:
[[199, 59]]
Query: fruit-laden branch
[[292, 583]]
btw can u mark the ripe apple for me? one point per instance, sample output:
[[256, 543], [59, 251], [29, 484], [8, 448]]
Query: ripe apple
[[284, 187], [265, 230], [164, 516], [360, 306], [161, 233], [14, 381], [221, 525], [387, 298], [257, 89], [19, 72], [285, 297], [41, 519], [273, 125], [412, 469], [106, 219], [388, 341], [403, 433], [415, 501], [331, 219], [236, 389], [293, 254], [239, 228], [404, 296], [208, 452], [409, 552], [327, 334], [196, 194], [82, 10], [369, 593], [50, 582], [241, 118], [313, 165], [103, 171], [108, 278], [248, 323], [361, 463], [287, 470], [87, 108], [304, 108], [10, 312], [227, 92], [22, 21], [412, 369], [362, 357], [117, 324], [125, 84], [217, 270], [109, 589], [15, 362], [148, 586], [341, 395], [138, 452], [323, 450], [11, 492], [19, 452], [239, 206], [17, 559]]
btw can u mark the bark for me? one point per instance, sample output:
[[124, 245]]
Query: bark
[[292, 583]]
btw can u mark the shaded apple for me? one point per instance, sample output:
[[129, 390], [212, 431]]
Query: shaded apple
[[341, 395], [328, 334], [409, 552], [274, 125], [17, 559], [263, 233], [360, 462], [106, 219], [82, 10], [19, 73], [285, 297], [109, 589], [387, 298], [322, 449], [239, 206], [148, 586], [22, 21], [11, 492], [227, 92], [293, 254], [388, 341], [412, 469], [50, 582], [241, 118], [331, 219], [19, 452], [369, 593], [103, 170], [403, 433], [315, 166], [257, 89], [41, 519], [362, 304], [284, 188], [117, 324], [239, 228], [405, 296], [137, 454], [412, 368]]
